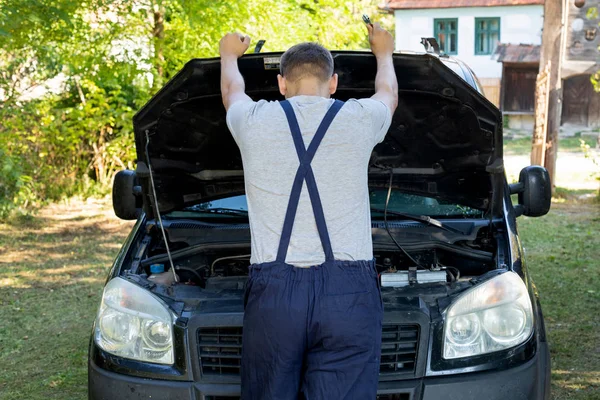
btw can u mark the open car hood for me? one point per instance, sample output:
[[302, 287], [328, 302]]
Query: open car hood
[[445, 140]]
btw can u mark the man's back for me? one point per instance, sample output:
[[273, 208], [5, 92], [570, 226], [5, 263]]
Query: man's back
[[340, 167], [312, 332]]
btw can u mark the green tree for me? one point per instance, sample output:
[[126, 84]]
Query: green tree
[[98, 61]]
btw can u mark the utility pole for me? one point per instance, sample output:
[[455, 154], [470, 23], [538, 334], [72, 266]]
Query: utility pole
[[551, 62]]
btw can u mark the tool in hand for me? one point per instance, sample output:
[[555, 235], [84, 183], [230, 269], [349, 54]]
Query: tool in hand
[[259, 45], [367, 20]]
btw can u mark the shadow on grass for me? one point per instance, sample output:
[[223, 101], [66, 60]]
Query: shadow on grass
[[52, 269], [563, 249], [522, 145], [575, 195], [44, 339]]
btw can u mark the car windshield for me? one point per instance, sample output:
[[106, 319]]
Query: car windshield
[[237, 206]]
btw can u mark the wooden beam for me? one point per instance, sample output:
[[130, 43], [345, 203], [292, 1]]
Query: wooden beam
[[502, 89]]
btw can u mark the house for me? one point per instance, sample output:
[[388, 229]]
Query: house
[[579, 59], [520, 66], [470, 30]]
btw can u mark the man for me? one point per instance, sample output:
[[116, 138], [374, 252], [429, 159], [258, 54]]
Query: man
[[313, 316]]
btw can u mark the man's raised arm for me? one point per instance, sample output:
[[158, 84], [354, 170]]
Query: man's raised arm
[[231, 47], [386, 83]]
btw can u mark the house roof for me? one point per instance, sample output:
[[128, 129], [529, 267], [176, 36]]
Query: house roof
[[517, 53], [414, 4]]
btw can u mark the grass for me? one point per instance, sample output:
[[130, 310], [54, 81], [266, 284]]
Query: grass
[[53, 266], [522, 146], [563, 256], [576, 169], [52, 269]]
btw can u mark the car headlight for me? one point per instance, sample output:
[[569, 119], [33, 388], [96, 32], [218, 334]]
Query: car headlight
[[492, 316], [133, 323]]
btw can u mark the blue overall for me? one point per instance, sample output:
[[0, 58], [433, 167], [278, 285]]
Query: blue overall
[[311, 333]]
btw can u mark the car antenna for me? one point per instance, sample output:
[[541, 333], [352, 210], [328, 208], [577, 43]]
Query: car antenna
[[160, 223], [432, 46]]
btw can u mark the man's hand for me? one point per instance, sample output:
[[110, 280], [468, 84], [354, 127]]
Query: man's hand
[[381, 41], [233, 45], [386, 84]]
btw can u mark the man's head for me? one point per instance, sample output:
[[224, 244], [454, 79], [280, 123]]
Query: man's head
[[307, 68]]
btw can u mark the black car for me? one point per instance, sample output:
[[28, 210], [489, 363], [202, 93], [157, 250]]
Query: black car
[[462, 321]]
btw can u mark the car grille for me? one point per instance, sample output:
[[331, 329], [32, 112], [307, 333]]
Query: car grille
[[221, 350], [399, 347]]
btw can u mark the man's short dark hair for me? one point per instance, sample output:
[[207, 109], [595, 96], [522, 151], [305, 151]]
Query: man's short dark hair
[[306, 59]]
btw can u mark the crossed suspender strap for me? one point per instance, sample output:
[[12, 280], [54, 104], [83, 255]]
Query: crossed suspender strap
[[305, 172]]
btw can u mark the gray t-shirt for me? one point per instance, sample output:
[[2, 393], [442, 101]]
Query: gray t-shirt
[[340, 167]]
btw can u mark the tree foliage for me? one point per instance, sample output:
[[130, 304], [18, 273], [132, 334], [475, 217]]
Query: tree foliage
[[73, 73]]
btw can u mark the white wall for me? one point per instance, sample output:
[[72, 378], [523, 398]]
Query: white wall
[[518, 24]]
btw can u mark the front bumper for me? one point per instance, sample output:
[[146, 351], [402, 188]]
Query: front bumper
[[528, 381]]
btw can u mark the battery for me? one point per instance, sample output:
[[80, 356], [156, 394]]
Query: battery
[[400, 278]]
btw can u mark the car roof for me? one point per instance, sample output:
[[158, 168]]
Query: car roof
[[457, 66], [461, 69]]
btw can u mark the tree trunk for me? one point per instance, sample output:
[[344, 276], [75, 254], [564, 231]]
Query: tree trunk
[[542, 93], [158, 35], [552, 45]]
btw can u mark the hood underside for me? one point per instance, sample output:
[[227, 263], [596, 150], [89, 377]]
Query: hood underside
[[445, 140]]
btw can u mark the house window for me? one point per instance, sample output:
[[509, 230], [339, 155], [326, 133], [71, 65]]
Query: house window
[[487, 35], [446, 33]]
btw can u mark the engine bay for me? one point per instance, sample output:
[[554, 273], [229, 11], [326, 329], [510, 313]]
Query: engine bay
[[204, 265]]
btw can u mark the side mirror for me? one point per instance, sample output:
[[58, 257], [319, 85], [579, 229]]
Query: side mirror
[[535, 191], [126, 195]]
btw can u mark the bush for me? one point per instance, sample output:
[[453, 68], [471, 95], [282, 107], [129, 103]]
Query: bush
[[61, 145], [11, 183]]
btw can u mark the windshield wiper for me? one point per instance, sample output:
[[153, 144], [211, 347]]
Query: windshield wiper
[[420, 218], [219, 210]]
